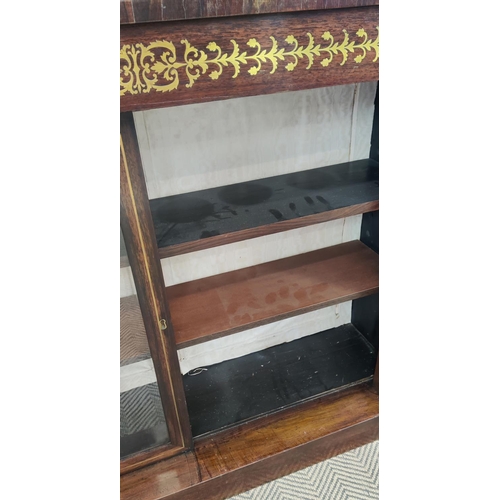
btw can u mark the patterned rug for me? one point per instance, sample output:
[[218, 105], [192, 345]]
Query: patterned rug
[[350, 476]]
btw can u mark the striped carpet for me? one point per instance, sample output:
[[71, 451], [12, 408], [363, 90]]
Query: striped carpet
[[140, 409], [350, 476]]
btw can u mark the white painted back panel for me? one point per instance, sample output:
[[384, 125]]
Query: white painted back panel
[[262, 337], [242, 343], [248, 253], [212, 261], [198, 146]]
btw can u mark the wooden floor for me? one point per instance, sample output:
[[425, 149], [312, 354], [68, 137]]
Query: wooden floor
[[236, 460]]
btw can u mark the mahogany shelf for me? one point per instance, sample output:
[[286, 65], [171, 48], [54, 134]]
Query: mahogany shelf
[[212, 217], [220, 305], [262, 382]]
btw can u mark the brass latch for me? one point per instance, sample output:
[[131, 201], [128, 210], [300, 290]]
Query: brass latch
[[163, 324]]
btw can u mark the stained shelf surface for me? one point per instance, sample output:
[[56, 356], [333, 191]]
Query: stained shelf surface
[[227, 303], [265, 381], [221, 215]]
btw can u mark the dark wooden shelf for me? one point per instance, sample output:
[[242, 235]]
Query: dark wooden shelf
[[227, 303], [213, 217], [243, 388]]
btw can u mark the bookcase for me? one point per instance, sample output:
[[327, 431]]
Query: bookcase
[[219, 429]]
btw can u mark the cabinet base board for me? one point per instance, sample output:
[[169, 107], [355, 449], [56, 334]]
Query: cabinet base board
[[236, 460]]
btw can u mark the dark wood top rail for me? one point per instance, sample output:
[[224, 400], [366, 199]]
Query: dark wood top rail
[[142, 11]]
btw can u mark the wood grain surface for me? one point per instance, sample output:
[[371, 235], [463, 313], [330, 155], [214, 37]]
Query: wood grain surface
[[147, 457], [140, 11], [245, 457], [182, 62], [236, 460], [230, 302]]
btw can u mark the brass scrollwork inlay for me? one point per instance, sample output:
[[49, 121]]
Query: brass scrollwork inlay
[[157, 65]]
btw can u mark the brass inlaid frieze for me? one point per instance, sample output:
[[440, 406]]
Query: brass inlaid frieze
[[157, 65]]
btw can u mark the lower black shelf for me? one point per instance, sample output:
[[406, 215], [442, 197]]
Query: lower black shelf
[[240, 389]]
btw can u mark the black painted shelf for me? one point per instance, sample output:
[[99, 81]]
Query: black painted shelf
[[220, 215], [243, 388]]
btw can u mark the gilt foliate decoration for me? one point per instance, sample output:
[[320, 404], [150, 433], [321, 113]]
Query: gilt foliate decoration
[[157, 65]]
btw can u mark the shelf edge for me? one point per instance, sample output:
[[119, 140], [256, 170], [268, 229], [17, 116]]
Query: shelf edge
[[265, 230]]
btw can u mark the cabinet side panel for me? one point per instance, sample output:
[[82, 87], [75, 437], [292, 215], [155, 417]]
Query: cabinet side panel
[[212, 261]]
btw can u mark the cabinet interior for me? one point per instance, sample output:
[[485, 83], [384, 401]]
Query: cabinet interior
[[235, 286]]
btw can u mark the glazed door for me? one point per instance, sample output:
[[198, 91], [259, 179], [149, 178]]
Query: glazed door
[[154, 422], [142, 417]]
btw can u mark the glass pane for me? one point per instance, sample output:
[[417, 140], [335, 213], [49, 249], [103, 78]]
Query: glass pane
[[142, 420]]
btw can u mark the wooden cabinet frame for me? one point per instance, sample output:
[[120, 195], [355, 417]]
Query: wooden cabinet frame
[[188, 61]]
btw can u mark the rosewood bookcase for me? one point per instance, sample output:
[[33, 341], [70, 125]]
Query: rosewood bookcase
[[252, 419]]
